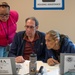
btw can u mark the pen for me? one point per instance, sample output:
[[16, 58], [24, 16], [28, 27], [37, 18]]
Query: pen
[[51, 56], [54, 61]]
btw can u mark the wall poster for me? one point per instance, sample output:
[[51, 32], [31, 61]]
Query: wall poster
[[49, 4]]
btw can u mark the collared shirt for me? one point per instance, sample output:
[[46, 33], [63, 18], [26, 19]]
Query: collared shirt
[[29, 46]]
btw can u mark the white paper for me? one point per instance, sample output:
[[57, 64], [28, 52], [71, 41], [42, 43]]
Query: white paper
[[50, 69]]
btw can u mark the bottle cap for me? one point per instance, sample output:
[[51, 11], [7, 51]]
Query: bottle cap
[[33, 57]]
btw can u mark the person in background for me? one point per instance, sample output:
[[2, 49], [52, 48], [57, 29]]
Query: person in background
[[29, 41], [8, 19], [57, 43]]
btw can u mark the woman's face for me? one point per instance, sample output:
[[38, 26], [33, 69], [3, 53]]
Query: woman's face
[[4, 14], [50, 42]]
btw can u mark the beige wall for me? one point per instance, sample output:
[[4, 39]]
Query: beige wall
[[61, 20]]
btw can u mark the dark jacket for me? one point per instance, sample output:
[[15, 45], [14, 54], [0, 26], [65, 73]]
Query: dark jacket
[[17, 47], [66, 46]]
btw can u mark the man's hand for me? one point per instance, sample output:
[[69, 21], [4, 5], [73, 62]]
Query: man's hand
[[52, 62], [19, 59]]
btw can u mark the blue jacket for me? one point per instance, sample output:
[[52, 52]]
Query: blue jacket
[[17, 47], [66, 47]]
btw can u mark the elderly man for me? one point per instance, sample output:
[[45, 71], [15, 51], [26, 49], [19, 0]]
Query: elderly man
[[29, 41]]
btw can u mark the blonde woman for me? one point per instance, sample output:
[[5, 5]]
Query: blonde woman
[[57, 43]]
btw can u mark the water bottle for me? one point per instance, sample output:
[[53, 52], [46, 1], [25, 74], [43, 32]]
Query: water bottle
[[33, 64]]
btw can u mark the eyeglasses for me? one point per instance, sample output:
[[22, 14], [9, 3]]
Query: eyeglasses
[[31, 27], [4, 15]]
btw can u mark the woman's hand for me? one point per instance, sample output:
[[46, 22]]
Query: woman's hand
[[52, 62]]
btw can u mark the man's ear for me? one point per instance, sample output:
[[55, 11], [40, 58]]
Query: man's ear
[[37, 27]]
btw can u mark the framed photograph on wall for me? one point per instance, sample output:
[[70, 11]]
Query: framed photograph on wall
[[49, 4]]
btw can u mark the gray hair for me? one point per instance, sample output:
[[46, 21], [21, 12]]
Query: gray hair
[[34, 19]]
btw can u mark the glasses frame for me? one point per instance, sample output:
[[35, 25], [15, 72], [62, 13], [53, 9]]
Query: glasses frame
[[31, 27], [4, 15]]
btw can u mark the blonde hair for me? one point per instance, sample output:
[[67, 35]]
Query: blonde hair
[[54, 34]]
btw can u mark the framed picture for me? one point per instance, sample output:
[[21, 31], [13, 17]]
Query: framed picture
[[7, 66], [67, 63], [48, 0], [49, 4]]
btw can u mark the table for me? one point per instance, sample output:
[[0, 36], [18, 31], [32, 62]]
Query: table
[[51, 70]]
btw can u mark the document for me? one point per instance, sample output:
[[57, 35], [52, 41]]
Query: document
[[5, 66], [69, 63]]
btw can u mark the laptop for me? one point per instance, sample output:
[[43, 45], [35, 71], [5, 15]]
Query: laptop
[[7, 66], [67, 63]]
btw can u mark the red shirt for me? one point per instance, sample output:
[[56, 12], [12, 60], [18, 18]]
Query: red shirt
[[29, 46]]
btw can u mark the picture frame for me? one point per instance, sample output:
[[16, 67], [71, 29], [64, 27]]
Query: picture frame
[[7, 66], [67, 63], [48, 4]]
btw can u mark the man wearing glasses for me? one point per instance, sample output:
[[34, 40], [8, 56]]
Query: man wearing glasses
[[8, 26], [29, 41]]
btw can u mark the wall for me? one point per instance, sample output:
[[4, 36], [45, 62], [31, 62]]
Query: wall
[[61, 20]]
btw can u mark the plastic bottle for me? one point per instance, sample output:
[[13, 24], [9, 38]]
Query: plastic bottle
[[33, 64]]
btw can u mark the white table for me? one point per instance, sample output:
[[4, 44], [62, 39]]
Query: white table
[[51, 70]]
